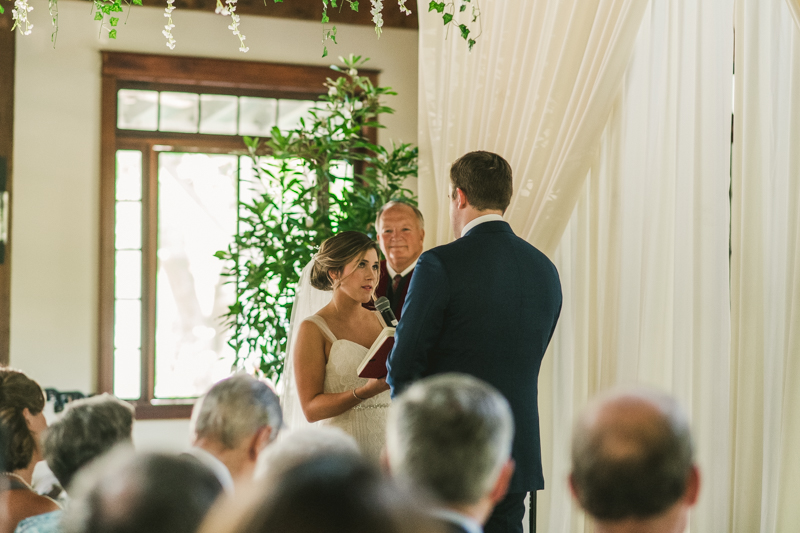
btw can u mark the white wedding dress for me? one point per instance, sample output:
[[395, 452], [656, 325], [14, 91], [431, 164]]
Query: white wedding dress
[[366, 422]]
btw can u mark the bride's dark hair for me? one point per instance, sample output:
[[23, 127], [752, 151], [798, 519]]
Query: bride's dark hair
[[336, 253]]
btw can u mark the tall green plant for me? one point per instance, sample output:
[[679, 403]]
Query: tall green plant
[[323, 177]]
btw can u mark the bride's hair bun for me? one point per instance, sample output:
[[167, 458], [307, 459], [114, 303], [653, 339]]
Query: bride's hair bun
[[17, 393], [336, 253]]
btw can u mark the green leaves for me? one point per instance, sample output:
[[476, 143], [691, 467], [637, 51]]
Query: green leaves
[[114, 21], [112, 34], [323, 177], [436, 6], [98, 15], [354, 6], [464, 30], [448, 9], [447, 17]]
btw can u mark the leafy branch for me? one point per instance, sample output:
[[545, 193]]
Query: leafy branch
[[469, 14]]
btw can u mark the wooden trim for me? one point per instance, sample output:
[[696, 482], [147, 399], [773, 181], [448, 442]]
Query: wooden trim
[[205, 72], [108, 127], [7, 42], [149, 268], [181, 142], [163, 410], [310, 10]]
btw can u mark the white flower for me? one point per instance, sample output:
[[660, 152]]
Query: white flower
[[403, 8], [20, 15], [332, 90], [353, 72], [377, 17], [167, 32], [230, 9]]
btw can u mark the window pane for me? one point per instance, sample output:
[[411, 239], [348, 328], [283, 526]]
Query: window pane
[[127, 374], [128, 231], [128, 324], [129, 175], [137, 110], [178, 112], [218, 114], [197, 217], [128, 274], [291, 111], [256, 115]]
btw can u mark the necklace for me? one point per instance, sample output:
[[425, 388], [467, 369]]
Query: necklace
[[20, 478]]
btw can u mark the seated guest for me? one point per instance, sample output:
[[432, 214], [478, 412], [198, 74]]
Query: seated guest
[[450, 435], [298, 446], [129, 493], [332, 493], [632, 464], [85, 431], [22, 421], [401, 232], [232, 424]]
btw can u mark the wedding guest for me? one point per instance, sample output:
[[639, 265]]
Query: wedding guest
[[632, 463], [22, 421], [334, 493], [86, 430], [298, 446], [450, 435], [130, 493], [400, 228], [232, 423]]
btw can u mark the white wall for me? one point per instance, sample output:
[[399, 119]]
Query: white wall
[[55, 230]]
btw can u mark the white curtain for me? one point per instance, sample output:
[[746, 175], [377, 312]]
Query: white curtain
[[765, 269], [794, 6], [644, 260], [537, 88]]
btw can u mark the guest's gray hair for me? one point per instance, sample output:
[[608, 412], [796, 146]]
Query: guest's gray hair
[[86, 430], [450, 434], [395, 203], [298, 446], [236, 408]]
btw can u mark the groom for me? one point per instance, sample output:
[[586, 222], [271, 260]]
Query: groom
[[486, 305]]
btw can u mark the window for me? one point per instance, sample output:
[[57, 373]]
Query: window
[[172, 157]]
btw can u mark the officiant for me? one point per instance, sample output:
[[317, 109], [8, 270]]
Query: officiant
[[401, 231]]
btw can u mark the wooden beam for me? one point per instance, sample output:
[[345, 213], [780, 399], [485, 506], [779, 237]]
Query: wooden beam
[[309, 10], [7, 39]]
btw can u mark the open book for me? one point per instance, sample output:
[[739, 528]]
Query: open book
[[374, 363]]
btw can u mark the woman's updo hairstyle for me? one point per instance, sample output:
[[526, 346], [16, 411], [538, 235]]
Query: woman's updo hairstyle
[[18, 391], [336, 253]]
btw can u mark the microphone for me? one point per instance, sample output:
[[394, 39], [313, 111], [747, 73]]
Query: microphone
[[385, 309]]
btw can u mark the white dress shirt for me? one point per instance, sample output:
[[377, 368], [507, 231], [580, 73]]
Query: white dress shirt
[[480, 220], [392, 272], [216, 466], [466, 523]]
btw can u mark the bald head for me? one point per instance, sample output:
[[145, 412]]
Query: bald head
[[632, 456]]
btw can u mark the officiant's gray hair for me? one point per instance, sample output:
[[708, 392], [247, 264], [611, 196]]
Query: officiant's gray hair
[[396, 203], [236, 408], [450, 434]]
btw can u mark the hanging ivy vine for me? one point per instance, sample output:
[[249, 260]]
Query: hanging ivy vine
[[464, 15]]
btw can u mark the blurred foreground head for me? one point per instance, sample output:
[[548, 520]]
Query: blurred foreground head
[[331, 493], [633, 462], [137, 493]]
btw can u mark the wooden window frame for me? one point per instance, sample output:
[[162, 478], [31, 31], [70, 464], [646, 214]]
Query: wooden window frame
[[171, 73]]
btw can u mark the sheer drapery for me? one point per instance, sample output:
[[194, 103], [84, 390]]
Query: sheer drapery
[[794, 7], [537, 88], [765, 269], [644, 260]]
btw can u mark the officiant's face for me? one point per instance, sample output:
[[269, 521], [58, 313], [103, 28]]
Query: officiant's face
[[400, 236], [360, 277]]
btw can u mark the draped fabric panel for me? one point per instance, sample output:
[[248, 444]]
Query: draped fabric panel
[[794, 7], [765, 269], [644, 260], [537, 88]]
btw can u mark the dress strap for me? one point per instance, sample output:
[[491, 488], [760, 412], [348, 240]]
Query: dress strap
[[323, 327]]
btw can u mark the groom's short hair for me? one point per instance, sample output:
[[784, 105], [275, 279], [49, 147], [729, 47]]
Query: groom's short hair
[[450, 435], [485, 178]]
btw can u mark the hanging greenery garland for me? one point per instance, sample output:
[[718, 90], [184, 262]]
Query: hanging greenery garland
[[461, 14]]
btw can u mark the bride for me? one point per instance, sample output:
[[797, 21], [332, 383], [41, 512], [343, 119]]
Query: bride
[[331, 343]]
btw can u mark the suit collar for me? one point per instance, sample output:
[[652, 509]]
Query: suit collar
[[493, 226]]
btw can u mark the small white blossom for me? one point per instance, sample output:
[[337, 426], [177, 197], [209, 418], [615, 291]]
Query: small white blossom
[[352, 72], [230, 9], [377, 17], [403, 8], [332, 91], [19, 14], [167, 31]]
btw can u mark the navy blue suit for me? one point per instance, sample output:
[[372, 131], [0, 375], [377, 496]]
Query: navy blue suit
[[486, 305]]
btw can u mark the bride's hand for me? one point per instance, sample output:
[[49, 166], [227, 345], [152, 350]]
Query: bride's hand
[[373, 387]]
